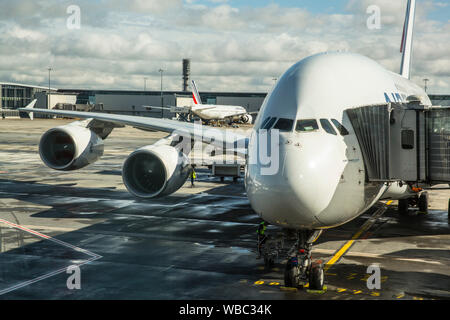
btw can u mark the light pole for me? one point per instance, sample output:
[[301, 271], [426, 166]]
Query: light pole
[[162, 97], [48, 100], [426, 81]]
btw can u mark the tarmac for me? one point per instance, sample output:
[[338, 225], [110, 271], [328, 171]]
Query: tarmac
[[198, 243]]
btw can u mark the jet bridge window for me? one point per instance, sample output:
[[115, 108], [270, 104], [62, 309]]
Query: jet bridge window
[[408, 139], [342, 130], [326, 125], [284, 125], [307, 125]]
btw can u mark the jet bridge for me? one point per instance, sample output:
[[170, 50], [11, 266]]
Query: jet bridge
[[404, 141]]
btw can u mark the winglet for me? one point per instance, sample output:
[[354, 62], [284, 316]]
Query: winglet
[[407, 39], [31, 106]]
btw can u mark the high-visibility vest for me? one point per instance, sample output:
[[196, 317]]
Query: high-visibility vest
[[193, 175], [262, 228]]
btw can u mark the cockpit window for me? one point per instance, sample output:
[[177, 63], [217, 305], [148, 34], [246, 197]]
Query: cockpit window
[[342, 130], [326, 125], [264, 122], [269, 124], [306, 125], [284, 125]]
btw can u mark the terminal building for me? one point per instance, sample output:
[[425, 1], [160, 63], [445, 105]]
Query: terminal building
[[17, 95], [14, 96], [440, 99], [134, 102]]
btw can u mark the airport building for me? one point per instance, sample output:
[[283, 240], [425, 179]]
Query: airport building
[[15, 95], [133, 102], [440, 99]]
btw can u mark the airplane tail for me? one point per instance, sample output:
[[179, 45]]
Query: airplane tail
[[31, 106], [407, 39], [195, 94]]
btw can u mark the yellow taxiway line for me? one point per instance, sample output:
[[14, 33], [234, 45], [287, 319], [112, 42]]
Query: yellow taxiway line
[[350, 242]]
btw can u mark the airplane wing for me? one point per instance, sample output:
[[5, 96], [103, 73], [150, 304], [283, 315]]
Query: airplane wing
[[235, 115], [241, 114], [201, 108], [154, 107], [227, 140]]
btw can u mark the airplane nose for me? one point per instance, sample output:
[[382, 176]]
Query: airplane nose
[[303, 186]]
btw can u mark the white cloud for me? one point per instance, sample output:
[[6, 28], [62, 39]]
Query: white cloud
[[145, 6], [230, 49]]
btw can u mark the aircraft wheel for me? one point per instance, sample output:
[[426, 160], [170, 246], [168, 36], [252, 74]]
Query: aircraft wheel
[[423, 203], [448, 212], [291, 273], [403, 205], [316, 277]]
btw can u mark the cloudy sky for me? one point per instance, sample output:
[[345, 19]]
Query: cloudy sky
[[234, 45]]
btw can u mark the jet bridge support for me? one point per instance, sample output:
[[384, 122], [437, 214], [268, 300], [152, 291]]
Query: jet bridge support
[[406, 142]]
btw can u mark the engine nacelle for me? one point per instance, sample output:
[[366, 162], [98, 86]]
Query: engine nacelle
[[247, 119], [155, 171], [70, 147]]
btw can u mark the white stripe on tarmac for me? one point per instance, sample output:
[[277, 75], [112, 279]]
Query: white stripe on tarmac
[[93, 256]]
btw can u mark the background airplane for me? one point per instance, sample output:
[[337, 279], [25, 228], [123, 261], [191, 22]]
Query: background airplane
[[212, 112]]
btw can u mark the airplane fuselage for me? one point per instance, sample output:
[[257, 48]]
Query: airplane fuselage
[[320, 181], [217, 112]]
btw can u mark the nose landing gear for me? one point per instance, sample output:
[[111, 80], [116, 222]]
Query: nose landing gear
[[300, 268]]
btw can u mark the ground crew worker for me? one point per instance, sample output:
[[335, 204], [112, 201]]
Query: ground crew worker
[[193, 177], [262, 237]]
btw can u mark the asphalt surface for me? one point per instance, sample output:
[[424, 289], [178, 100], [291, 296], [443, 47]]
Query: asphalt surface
[[198, 243]]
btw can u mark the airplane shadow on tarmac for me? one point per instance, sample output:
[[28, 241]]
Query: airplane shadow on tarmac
[[183, 247]]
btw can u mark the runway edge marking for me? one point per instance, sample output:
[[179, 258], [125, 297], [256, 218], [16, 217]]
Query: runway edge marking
[[93, 256]]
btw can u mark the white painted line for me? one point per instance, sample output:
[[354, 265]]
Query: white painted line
[[93, 256], [377, 256]]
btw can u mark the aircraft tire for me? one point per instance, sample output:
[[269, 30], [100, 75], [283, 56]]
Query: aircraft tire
[[291, 275], [316, 277], [423, 203]]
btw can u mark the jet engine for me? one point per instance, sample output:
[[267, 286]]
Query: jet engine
[[247, 119], [155, 171], [70, 147]]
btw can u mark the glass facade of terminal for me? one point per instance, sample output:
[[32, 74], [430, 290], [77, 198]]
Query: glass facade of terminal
[[16, 96]]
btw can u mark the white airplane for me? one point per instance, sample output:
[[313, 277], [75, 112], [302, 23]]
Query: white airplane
[[320, 182], [211, 112]]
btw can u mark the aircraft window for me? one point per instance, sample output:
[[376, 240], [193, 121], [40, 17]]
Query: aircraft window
[[284, 125], [306, 125], [269, 124], [326, 125], [264, 123], [342, 130]]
